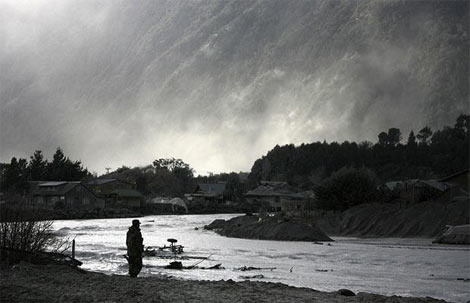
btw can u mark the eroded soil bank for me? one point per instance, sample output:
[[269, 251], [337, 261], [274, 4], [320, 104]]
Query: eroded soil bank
[[275, 228]]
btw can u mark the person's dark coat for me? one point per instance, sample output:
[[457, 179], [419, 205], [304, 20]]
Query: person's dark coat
[[135, 248], [134, 241]]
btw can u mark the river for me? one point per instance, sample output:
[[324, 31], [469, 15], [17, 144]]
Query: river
[[405, 267]]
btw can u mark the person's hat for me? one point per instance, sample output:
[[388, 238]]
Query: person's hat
[[135, 222]]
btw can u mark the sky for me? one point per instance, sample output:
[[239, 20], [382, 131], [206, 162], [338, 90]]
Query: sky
[[216, 83]]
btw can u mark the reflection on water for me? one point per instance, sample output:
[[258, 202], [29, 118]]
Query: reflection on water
[[407, 267]]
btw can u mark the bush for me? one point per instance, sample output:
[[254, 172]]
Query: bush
[[22, 229], [345, 188]]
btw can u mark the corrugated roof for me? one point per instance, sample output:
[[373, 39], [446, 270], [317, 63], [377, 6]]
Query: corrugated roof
[[274, 189], [455, 175], [274, 183], [440, 186], [58, 190], [52, 183], [65, 188], [400, 185], [100, 181]]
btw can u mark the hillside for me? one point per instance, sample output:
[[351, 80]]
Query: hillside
[[130, 80]]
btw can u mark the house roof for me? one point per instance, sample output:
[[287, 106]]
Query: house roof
[[101, 181], [59, 189], [211, 189], [127, 193], [274, 189], [455, 175], [440, 186], [399, 185], [52, 183], [274, 183]]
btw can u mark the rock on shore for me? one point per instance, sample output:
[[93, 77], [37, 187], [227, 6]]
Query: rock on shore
[[53, 283], [251, 227]]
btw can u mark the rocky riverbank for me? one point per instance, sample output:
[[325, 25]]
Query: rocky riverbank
[[270, 228], [55, 283]]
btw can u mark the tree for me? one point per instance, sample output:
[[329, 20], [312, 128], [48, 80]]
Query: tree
[[234, 188], [63, 169], [38, 166], [394, 136], [57, 167], [176, 174], [15, 176], [347, 187], [411, 139], [383, 139], [463, 122], [462, 126], [170, 164], [424, 135]]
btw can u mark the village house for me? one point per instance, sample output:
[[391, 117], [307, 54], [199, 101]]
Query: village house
[[415, 190], [280, 197], [63, 194], [104, 187], [460, 179], [127, 198], [302, 205], [117, 193], [209, 193]]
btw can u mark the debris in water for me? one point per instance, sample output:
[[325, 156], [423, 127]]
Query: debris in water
[[175, 265], [244, 268], [252, 277]]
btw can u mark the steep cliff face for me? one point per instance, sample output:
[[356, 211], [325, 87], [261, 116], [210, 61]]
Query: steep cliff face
[[260, 72]]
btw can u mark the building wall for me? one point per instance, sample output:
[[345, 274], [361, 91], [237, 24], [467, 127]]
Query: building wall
[[128, 202], [45, 201], [273, 202], [81, 198], [107, 188], [462, 180], [297, 207], [77, 198]]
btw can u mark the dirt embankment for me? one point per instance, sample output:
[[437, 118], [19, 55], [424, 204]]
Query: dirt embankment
[[251, 227], [52, 283], [426, 219]]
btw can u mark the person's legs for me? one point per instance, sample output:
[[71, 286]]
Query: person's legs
[[138, 265], [135, 265]]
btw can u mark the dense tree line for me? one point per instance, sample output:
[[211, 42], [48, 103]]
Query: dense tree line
[[16, 175], [346, 188], [428, 154], [319, 166], [235, 185], [165, 177]]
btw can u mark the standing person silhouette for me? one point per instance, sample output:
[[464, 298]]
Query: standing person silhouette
[[135, 248]]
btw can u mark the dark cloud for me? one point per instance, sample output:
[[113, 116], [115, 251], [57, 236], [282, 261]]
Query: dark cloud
[[218, 83]]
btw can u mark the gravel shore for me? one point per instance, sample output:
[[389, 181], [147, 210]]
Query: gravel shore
[[56, 283]]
